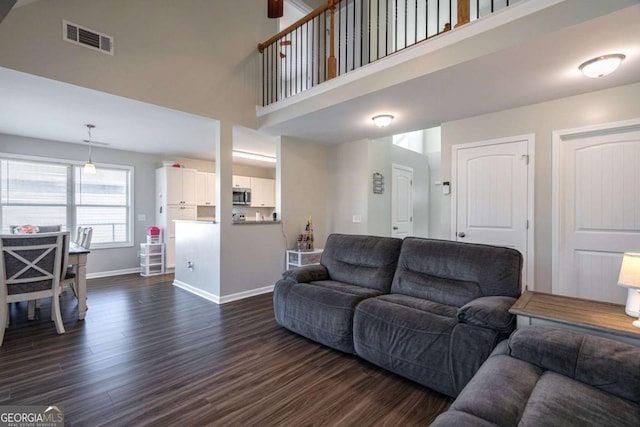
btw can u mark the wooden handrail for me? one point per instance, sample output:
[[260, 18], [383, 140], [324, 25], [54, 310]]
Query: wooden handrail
[[299, 23]]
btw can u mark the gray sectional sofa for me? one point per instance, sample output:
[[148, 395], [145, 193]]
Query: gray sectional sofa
[[429, 310], [551, 377]]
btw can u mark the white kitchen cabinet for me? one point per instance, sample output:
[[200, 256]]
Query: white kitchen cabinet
[[205, 189], [175, 200], [180, 185], [263, 193], [241, 181]]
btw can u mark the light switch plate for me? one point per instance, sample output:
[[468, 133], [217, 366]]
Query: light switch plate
[[142, 217], [356, 218]]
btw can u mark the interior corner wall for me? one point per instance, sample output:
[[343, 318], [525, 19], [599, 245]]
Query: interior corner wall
[[348, 181], [303, 190], [605, 106]]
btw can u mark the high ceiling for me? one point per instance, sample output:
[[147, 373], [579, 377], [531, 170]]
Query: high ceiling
[[541, 69]]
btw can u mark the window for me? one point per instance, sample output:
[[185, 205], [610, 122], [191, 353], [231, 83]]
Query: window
[[413, 141], [41, 192]]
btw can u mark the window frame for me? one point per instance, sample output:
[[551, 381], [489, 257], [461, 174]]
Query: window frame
[[71, 206]]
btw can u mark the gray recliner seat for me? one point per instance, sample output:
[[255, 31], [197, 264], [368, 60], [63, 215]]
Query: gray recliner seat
[[552, 377], [447, 310], [318, 302]]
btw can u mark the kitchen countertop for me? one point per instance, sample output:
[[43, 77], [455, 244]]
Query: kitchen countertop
[[254, 222]]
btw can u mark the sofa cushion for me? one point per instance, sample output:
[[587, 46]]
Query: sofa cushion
[[508, 390], [489, 312], [367, 261], [307, 273], [321, 311], [499, 391], [559, 401], [610, 365], [455, 273], [420, 340]]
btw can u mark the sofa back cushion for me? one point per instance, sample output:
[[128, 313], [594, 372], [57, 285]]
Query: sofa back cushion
[[367, 261], [609, 365], [455, 273]]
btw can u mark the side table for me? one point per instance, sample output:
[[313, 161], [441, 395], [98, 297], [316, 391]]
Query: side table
[[591, 317], [300, 258]]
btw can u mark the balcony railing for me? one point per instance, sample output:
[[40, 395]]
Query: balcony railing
[[344, 35]]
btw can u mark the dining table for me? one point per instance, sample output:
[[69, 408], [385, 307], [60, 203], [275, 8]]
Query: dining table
[[78, 258]]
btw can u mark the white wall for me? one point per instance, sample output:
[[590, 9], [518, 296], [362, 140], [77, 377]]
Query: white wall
[[350, 178], [348, 181], [189, 55], [302, 172], [621, 103]]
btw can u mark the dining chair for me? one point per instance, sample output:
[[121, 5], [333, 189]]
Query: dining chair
[[83, 238], [15, 229], [30, 266]]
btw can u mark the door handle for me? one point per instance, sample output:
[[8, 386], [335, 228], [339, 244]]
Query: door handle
[[461, 234], [395, 228]]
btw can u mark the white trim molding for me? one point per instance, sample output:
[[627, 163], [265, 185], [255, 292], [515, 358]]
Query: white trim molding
[[222, 299]]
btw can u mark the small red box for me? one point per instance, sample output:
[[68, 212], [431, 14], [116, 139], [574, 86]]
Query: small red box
[[153, 231]]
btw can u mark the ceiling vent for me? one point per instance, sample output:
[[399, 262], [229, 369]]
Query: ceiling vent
[[88, 38]]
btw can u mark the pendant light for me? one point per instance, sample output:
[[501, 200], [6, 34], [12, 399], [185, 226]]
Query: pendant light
[[89, 167]]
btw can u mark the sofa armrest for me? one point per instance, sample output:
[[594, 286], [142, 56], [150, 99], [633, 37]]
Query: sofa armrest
[[609, 365], [489, 312], [306, 274]]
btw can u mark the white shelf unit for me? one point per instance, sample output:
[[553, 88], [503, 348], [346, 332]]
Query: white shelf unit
[[151, 259], [300, 258]]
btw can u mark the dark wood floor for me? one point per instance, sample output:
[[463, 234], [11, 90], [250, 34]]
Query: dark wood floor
[[152, 354]]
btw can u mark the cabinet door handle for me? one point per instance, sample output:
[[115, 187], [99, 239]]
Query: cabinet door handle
[[461, 234]]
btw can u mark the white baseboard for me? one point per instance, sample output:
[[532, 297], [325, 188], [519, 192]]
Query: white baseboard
[[246, 294], [113, 273], [224, 299]]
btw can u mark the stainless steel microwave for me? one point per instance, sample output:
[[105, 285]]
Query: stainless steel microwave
[[241, 196]]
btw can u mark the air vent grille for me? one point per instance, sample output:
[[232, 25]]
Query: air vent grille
[[88, 38]]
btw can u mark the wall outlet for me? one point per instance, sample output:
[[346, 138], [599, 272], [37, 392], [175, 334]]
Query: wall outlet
[[356, 218]]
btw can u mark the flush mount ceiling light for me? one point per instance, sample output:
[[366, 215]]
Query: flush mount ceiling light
[[602, 65], [382, 120], [89, 167], [253, 156]]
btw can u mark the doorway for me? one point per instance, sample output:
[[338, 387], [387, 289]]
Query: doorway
[[492, 196], [401, 201], [596, 208]]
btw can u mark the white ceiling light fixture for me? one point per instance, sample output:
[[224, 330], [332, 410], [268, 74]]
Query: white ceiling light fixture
[[382, 120], [89, 167], [602, 65], [253, 156]]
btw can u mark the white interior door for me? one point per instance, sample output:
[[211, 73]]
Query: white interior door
[[401, 201], [598, 211], [491, 195]]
